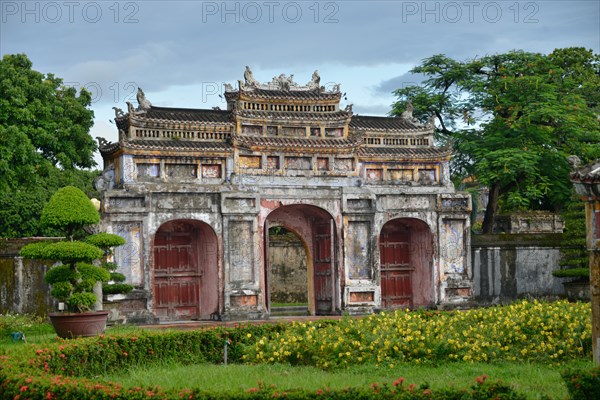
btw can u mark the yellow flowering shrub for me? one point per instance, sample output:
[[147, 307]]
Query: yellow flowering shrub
[[527, 330]]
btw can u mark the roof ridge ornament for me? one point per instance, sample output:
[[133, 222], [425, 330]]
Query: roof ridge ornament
[[282, 82], [407, 114], [143, 103]]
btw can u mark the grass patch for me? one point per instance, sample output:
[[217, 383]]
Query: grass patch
[[275, 305], [43, 332], [534, 380]]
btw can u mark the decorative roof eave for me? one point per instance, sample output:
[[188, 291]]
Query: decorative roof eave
[[107, 148], [586, 179], [417, 130], [172, 152], [332, 146], [166, 147], [176, 124], [405, 123], [299, 97], [342, 116], [402, 159], [587, 174], [409, 154]]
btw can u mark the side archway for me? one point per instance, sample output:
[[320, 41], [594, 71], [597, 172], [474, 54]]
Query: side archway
[[185, 272], [406, 264]]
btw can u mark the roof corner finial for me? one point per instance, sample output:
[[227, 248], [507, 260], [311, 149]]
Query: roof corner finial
[[574, 161], [431, 122], [249, 78], [408, 112], [143, 103]]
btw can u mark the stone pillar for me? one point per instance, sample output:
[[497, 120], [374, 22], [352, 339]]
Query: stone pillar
[[587, 184], [243, 294]]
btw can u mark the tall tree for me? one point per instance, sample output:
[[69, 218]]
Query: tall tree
[[513, 120], [44, 141], [43, 124]]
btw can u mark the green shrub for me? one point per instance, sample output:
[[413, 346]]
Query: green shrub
[[117, 277], [117, 288], [81, 301], [67, 252], [583, 384], [105, 240], [572, 273]]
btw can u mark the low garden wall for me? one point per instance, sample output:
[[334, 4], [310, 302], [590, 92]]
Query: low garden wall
[[22, 286], [510, 266]]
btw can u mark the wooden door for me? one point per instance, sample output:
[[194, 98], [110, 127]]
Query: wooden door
[[396, 271], [323, 265], [176, 276]]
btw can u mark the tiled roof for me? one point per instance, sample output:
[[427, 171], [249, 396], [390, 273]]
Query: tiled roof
[[293, 115], [255, 142], [177, 145], [186, 115], [588, 173], [405, 152], [315, 94], [384, 123]]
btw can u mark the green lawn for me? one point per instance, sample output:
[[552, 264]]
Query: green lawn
[[534, 380], [44, 333]]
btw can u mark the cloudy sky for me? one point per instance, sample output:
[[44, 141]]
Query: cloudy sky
[[181, 52]]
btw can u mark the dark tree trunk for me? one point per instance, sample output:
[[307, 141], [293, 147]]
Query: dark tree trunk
[[492, 209]]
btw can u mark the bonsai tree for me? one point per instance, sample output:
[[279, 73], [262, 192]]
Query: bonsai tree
[[70, 210]]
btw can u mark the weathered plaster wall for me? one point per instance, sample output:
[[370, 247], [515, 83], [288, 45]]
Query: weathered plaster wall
[[22, 286], [509, 266]]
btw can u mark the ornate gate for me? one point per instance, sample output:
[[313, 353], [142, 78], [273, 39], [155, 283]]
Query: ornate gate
[[396, 270], [176, 276]]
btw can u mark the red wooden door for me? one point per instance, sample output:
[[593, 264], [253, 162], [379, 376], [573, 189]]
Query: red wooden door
[[396, 272], [176, 276], [323, 265]]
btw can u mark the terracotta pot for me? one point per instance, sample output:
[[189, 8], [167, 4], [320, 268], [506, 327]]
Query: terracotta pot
[[70, 325]]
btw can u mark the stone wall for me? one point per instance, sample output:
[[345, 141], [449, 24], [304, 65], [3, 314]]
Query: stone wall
[[505, 267], [510, 266], [22, 286]]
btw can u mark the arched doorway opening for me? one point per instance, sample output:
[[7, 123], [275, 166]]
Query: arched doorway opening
[[406, 271], [185, 285], [287, 275], [316, 229]]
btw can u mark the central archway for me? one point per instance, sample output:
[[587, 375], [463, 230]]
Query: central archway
[[316, 229], [185, 276]]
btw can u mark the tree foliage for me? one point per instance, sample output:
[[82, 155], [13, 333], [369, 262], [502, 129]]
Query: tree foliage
[[44, 140], [513, 120]]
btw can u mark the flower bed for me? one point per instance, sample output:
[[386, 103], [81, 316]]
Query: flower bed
[[532, 331], [66, 369]]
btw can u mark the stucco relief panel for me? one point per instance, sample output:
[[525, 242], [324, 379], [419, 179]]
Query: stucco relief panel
[[129, 256]]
